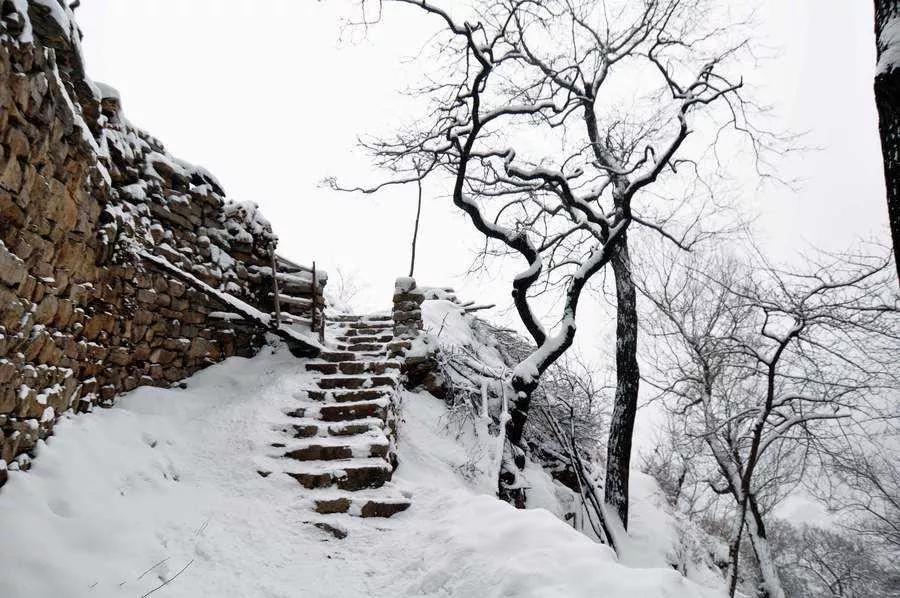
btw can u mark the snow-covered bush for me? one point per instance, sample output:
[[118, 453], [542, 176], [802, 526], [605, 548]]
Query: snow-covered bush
[[475, 359]]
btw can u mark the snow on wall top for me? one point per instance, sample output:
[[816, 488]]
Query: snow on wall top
[[107, 91], [64, 17]]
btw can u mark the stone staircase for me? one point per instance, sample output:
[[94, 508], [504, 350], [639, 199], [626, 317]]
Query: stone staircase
[[339, 444]]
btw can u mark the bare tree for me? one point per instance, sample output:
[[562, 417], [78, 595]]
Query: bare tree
[[547, 164], [344, 290], [865, 487], [764, 365], [887, 100], [821, 563]]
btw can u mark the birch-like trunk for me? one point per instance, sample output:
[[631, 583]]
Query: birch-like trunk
[[621, 427], [887, 100], [756, 531]]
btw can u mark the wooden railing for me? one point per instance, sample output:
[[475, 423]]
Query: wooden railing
[[297, 294]]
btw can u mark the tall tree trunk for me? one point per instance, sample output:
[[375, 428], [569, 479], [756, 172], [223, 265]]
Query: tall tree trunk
[[621, 428], [887, 100], [415, 237], [756, 531]]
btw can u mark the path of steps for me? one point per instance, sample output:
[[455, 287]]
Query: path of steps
[[339, 444]]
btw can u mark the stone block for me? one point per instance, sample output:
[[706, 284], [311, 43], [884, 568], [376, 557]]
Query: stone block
[[12, 268], [147, 296]]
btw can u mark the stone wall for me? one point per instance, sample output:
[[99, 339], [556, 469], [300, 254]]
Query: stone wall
[[419, 364], [82, 194]]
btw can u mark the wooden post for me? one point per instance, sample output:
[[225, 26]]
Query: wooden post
[[318, 324], [312, 315], [275, 288]]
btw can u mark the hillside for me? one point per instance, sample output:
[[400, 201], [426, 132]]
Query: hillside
[[118, 502]]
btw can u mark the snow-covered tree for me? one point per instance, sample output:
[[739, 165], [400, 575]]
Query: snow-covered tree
[[815, 562], [551, 121], [765, 367]]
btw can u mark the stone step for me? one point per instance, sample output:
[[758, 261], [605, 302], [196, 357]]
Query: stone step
[[344, 318], [355, 382], [372, 444], [361, 504], [354, 367], [365, 347], [348, 395], [311, 428], [356, 339], [341, 412], [346, 474], [337, 356], [364, 330]]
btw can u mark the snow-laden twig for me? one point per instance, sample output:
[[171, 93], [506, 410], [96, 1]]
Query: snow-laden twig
[[170, 580]]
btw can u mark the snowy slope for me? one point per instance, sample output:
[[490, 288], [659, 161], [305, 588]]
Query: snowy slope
[[126, 498]]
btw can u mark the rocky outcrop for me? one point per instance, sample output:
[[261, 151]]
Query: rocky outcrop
[[83, 195]]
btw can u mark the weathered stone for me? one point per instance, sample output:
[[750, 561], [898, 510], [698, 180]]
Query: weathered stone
[[107, 393], [12, 269], [147, 296], [17, 143], [119, 356], [46, 310], [198, 347], [413, 298], [406, 306], [161, 356], [98, 323]]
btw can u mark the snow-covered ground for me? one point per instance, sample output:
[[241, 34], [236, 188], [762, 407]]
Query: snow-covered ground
[[165, 484]]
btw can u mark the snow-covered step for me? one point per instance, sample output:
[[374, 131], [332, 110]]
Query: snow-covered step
[[350, 324], [345, 318], [368, 338], [383, 502], [346, 396], [371, 444], [356, 382], [335, 356], [364, 347], [354, 367], [347, 474], [335, 412], [363, 330], [309, 427]]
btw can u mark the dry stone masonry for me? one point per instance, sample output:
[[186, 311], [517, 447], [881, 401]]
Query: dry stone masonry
[[83, 196], [420, 367]]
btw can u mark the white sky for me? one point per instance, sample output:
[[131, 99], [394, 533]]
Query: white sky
[[265, 95]]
